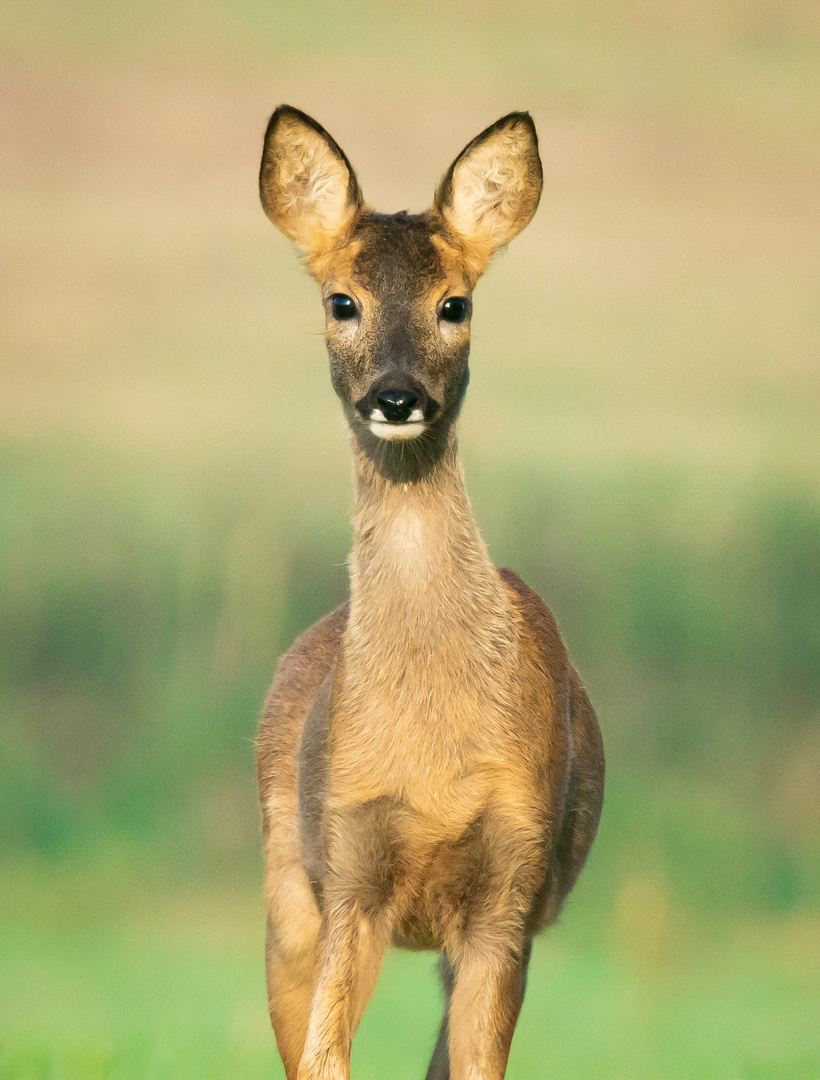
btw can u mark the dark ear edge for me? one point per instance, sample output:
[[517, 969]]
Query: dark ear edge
[[281, 112], [444, 194]]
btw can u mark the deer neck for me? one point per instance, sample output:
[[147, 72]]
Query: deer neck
[[423, 588]]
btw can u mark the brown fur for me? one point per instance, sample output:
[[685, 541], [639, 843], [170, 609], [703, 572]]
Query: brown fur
[[430, 768]]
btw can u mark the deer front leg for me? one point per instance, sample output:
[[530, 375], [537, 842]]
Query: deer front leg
[[352, 954], [357, 928], [484, 1008], [490, 950], [439, 1068]]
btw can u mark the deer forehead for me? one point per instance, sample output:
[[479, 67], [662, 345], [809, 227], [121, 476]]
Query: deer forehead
[[396, 257]]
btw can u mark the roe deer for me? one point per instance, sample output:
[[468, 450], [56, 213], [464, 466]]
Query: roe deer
[[430, 768]]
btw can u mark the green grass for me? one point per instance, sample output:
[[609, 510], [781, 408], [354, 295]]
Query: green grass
[[112, 972]]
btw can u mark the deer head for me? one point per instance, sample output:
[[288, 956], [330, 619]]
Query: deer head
[[397, 288]]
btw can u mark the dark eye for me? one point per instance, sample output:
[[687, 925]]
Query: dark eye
[[455, 309], [342, 306]]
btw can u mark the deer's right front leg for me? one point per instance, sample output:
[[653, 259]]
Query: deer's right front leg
[[356, 930]]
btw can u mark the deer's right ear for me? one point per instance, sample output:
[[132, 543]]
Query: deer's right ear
[[307, 187]]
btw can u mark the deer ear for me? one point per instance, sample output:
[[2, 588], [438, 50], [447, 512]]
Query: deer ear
[[492, 188], [307, 187]]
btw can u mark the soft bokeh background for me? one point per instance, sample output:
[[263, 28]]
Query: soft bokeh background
[[641, 436]]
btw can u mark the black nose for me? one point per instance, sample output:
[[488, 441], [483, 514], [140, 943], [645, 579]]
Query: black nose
[[396, 405]]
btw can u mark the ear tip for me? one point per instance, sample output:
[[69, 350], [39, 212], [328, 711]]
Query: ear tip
[[285, 110], [518, 116], [524, 121], [520, 120], [289, 112]]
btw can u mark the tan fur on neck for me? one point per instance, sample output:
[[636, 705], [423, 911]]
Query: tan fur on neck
[[430, 654]]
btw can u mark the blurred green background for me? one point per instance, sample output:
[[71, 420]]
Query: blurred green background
[[641, 438]]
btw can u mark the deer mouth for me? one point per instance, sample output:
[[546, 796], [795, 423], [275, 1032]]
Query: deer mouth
[[410, 428]]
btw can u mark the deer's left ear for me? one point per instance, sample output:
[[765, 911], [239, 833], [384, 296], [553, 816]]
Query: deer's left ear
[[491, 190]]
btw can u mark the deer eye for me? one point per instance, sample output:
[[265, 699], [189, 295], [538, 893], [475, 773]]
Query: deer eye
[[342, 306], [455, 309]]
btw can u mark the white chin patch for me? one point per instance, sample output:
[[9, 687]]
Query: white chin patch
[[408, 430]]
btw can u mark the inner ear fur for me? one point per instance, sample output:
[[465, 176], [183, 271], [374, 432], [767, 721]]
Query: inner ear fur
[[307, 186], [491, 190]]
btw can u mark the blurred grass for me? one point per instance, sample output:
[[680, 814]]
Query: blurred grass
[[641, 439]]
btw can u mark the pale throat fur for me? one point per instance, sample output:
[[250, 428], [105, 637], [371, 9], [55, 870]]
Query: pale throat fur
[[430, 655]]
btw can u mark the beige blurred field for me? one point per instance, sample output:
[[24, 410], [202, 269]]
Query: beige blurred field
[[663, 307], [641, 437]]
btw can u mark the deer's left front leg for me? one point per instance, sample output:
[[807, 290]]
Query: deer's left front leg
[[357, 927], [484, 1009], [489, 956]]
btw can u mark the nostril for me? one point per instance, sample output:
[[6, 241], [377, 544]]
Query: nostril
[[396, 405]]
